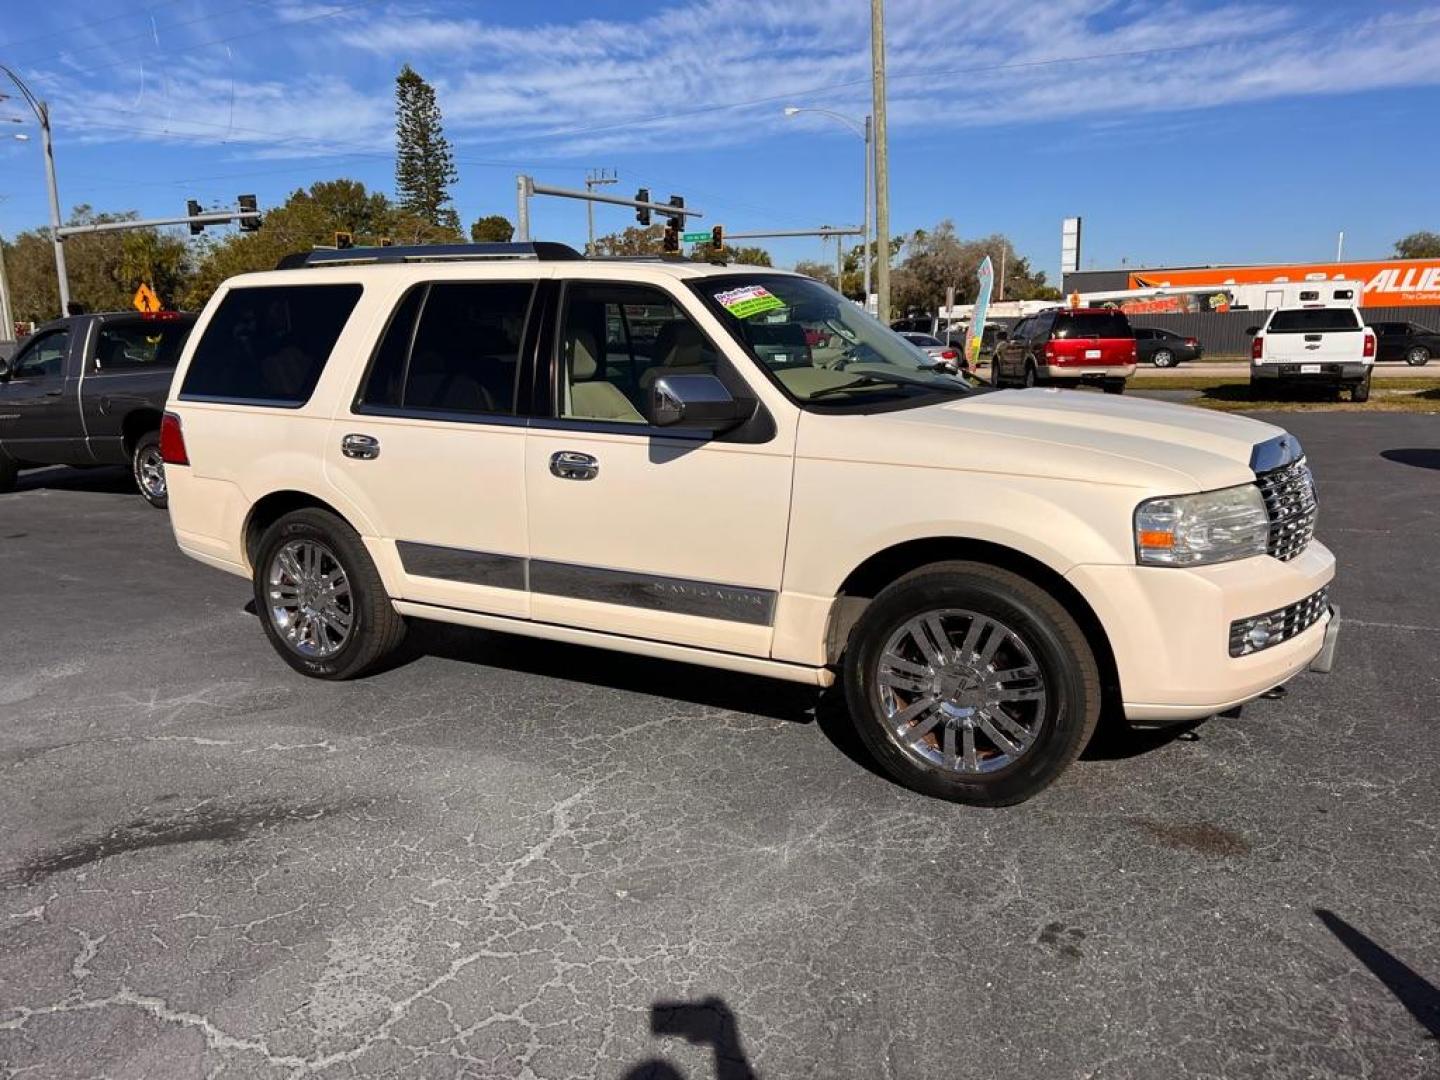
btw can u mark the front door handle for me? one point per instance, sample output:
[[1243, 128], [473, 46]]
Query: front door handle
[[360, 447], [573, 465]]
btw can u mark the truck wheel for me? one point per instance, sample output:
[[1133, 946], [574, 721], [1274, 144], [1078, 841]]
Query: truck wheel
[[320, 598], [148, 469], [970, 683], [1163, 358], [1031, 378], [1113, 386], [1361, 390], [8, 472], [1418, 356]]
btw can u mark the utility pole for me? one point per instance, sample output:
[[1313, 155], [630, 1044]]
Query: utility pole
[[882, 162], [597, 178], [1340, 247], [1003, 252], [7, 314], [42, 114]]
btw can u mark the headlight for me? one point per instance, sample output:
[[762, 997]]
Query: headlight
[[1193, 530]]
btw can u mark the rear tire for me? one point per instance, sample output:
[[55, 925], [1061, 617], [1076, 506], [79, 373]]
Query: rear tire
[[1031, 378], [1163, 358], [304, 616], [1418, 356], [1360, 392], [1113, 386], [147, 468], [947, 726], [9, 471]]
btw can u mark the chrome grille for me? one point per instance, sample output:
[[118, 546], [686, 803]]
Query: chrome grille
[[1290, 501], [1281, 624]]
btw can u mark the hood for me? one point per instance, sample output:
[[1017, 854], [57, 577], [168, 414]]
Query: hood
[[1066, 434]]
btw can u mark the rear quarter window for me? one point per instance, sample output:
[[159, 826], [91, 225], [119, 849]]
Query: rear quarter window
[[268, 345], [1314, 321]]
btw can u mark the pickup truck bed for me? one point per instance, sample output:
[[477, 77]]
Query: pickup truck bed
[[90, 390]]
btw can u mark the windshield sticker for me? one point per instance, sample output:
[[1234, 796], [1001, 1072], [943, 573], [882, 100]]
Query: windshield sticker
[[748, 300]]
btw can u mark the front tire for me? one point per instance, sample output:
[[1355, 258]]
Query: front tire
[[320, 598], [1418, 356], [147, 467], [971, 683]]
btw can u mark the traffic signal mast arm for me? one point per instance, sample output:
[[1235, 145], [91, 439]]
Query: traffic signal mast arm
[[212, 217]]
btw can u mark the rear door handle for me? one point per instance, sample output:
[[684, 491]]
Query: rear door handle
[[360, 447], [573, 465]]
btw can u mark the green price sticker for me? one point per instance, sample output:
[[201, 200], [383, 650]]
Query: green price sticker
[[748, 301]]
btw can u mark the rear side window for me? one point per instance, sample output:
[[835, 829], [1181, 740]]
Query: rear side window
[[1314, 321], [268, 345], [134, 345], [1102, 324], [451, 347]]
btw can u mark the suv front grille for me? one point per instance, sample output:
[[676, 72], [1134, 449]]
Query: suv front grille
[[1290, 501], [1262, 631]]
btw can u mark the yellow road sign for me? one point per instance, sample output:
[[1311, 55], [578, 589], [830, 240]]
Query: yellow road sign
[[146, 300]]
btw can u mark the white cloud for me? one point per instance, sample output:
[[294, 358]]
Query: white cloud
[[565, 89]]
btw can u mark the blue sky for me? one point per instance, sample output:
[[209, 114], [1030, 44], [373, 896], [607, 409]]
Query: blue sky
[[1183, 131]]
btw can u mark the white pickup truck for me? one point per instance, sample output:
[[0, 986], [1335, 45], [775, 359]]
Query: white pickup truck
[[1330, 346]]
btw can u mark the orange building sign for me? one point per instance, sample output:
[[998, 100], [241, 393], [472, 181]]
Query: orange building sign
[[1391, 283]]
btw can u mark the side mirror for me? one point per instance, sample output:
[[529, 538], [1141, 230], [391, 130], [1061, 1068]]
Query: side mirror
[[1251, 331], [695, 403]]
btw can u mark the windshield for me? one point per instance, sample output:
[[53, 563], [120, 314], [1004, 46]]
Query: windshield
[[818, 345]]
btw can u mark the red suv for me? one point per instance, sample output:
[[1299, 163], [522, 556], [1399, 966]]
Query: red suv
[[1067, 347]]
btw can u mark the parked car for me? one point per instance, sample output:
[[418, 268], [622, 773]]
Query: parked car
[[1324, 346], [1068, 347], [90, 390], [914, 324], [1408, 341], [372, 436], [947, 356], [1165, 348]]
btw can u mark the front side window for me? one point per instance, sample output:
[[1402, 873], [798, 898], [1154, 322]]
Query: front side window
[[140, 345], [818, 346], [616, 340], [43, 357], [267, 345], [451, 347]]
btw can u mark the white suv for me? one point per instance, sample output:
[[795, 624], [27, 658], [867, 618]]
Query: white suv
[[735, 467]]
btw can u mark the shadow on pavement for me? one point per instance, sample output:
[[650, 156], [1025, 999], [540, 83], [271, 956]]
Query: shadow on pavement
[[708, 1022], [1418, 456], [110, 479], [1420, 996]]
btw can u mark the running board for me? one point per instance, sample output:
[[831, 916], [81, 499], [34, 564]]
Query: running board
[[662, 650]]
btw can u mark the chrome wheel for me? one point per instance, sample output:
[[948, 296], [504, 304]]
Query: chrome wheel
[[961, 691], [1418, 356], [150, 472], [309, 599], [1164, 358]]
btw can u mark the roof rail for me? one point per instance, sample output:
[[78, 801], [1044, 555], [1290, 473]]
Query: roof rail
[[545, 251]]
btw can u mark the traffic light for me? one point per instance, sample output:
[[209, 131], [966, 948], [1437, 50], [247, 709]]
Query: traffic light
[[642, 213], [717, 238], [248, 203], [671, 242], [344, 240], [678, 201], [192, 209]]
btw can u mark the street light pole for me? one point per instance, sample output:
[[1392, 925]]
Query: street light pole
[[864, 131], [42, 114], [882, 164]]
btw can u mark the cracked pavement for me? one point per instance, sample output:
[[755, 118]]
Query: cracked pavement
[[508, 858]]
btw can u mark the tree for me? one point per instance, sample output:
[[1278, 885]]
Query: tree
[[1418, 245], [492, 229], [424, 163], [103, 269], [937, 259], [743, 256], [819, 271], [633, 241]]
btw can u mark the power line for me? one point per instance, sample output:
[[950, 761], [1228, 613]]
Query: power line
[[76, 27]]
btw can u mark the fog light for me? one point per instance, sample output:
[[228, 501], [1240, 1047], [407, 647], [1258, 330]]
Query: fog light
[[1256, 633]]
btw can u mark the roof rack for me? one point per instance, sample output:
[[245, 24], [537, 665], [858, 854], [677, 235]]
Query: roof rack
[[545, 251]]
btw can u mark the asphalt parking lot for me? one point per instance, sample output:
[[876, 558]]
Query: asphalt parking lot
[[513, 859]]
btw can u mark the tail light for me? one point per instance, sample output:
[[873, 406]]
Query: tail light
[[1134, 351], [1369, 344], [172, 441], [1192, 342], [949, 354], [1257, 347]]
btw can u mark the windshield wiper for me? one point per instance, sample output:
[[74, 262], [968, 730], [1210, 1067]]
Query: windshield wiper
[[882, 380]]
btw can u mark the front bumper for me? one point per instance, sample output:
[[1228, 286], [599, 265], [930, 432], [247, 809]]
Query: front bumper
[[1169, 630], [1085, 373], [1328, 372]]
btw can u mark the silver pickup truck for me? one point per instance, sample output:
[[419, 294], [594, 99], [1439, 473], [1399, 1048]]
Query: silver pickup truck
[[1328, 346]]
